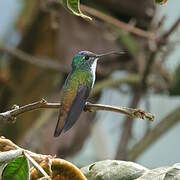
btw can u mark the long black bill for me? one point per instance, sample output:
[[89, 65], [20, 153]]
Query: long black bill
[[110, 53]]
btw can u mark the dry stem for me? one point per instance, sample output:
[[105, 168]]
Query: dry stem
[[122, 25], [40, 62], [134, 113]]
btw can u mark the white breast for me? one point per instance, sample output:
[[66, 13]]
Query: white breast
[[93, 69]]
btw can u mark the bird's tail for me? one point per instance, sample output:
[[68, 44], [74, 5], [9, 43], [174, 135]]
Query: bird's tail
[[59, 125]]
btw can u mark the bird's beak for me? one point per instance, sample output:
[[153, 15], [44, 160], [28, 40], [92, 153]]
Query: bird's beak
[[109, 53]]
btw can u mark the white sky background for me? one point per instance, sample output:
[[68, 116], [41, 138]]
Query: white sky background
[[9, 10], [172, 11]]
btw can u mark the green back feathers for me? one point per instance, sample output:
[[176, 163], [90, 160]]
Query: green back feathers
[[77, 60], [80, 76]]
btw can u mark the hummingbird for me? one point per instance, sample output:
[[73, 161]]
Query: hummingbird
[[76, 89]]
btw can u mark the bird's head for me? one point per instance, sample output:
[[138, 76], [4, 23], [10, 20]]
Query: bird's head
[[87, 58]]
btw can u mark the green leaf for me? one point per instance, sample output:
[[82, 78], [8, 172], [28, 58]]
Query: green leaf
[[74, 7], [16, 169], [160, 1]]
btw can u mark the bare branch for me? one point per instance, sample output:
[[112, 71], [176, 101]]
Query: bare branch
[[172, 29], [160, 42], [40, 62], [10, 155], [134, 113], [36, 165], [118, 23], [113, 21], [115, 82]]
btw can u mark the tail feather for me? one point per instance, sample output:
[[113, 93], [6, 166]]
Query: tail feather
[[60, 125]]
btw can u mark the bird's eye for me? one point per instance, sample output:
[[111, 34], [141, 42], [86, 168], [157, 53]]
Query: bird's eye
[[86, 57]]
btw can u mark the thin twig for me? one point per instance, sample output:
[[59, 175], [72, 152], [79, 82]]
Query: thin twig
[[147, 70], [160, 42], [143, 87], [115, 82], [134, 113], [114, 21], [172, 29], [36, 165], [122, 25], [175, 42], [40, 62]]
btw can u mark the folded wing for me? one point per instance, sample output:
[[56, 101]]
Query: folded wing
[[75, 110]]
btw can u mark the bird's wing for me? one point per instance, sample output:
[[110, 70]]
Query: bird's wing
[[77, 107], [66, 121]]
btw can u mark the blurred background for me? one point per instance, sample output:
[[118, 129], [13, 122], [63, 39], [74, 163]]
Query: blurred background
[[37, 42]]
